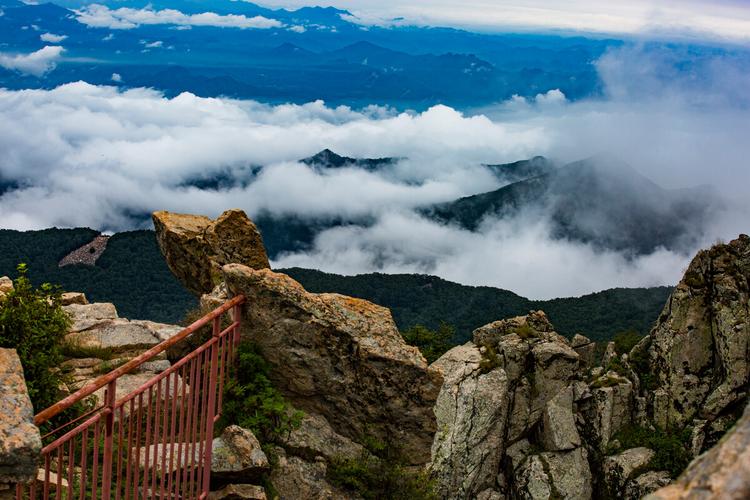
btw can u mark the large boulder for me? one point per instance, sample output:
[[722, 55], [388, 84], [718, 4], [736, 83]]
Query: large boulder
[[295, 478], [698, 350], [342, 358], [237, 456], [314, 437], [20, 441], [6, 286], [195, 247], [621, 468], [722, 472], [564, 475], [471, 413]]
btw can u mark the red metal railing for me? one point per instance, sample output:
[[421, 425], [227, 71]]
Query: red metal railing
[[153, 442]]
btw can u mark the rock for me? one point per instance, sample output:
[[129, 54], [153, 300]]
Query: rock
[[555, 364], [20, 441], [120, 335], [531, 325], [722, 472], [471, 414], [610, 355], [619, 469], [490, 495], [237, 455], [87, 316], [698, 348], [295, 479], [215, 298], [563, 475], [646, 483], [340, 357], [608, 410], [69, 298], [559, 431], [6, 286], [239, 492], [314, 437], [195, 247], [586, 350]]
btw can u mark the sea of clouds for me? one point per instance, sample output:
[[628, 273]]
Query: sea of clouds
[[100, 157]]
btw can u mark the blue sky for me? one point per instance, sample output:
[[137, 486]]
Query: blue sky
[[723, 19]]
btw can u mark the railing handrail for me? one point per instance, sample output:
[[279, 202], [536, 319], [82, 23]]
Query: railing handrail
[[87, 390]]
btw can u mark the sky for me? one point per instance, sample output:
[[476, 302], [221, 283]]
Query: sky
[[93, 156], [720, 19]]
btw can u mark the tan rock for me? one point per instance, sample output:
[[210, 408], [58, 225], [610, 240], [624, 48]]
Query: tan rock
[[722, 472], [6, 286], [20, 441], [239, 492], [237, 455], [314, 437], [295, 479], [619, 469], [564, 475], [340, 357], [195, 247], [87, 316], [123, 335], [69, 298], [559, 431], [586, 350]]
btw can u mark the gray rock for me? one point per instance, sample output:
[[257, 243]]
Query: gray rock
[[119, 335], [237, 455], [608, 410], [609, 354], [86, 316], [645, 484], [559, 431], [471, 413], [295, 478], [314, 437], [20, 441], [69, 298], [239, 492], [619, 469], [564, 475]]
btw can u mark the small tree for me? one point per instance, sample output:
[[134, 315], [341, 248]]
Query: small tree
[[431, 343], [33, 323]]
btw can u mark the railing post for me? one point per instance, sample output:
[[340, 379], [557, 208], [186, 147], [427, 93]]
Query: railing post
[[212, 388], [110, 396]]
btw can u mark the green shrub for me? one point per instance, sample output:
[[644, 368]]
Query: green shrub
[[33, 323], [431, 343], [638, 359], [251, 401], [380, 473], [671, 447], [489, 360], [625, 341], [524, 331]]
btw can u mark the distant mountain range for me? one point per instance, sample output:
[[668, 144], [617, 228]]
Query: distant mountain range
[[310, 54]]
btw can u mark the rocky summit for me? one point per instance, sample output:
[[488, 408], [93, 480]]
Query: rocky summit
[[518, 412]]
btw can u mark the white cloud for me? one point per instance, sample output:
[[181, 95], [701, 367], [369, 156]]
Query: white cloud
[[52, 38], [101, 16], [725, 19], [297, 29], [108, 153], [153, 45], [37, 63], [116, 77]]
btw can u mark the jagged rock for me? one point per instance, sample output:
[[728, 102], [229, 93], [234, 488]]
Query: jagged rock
[[340, 357], [527, 326], [20, 441], [85, 316], [470, 411], [646, 483], [69, 298], [586, 350], [215, 298], [295, 478], [555, 363], [239, 492], [195, 247], [490, 495], [559, 431], [517, 453], [609, 354], [698, 348], [722, 472], [237, 455], [563, 475], [608, 410], [314, 437], [619, 469]]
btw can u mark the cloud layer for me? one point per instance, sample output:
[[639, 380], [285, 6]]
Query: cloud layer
[[100, 157], [36, 63], [101, 16]]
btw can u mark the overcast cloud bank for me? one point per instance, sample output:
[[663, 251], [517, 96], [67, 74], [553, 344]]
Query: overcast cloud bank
[[99, 157]]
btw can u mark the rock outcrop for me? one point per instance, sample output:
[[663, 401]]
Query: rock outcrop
[[699, 350], [340, 357], [6, 286], [195, 247], [20, 441], [723, 472]]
